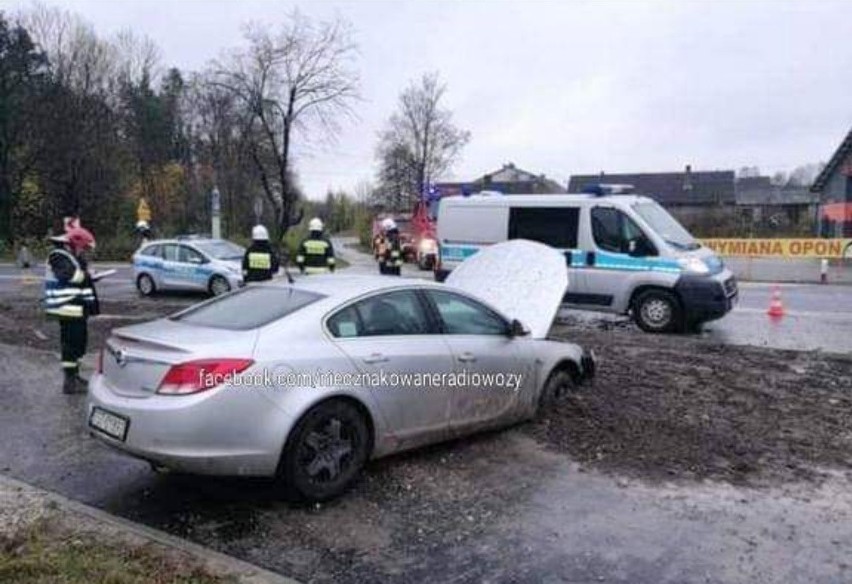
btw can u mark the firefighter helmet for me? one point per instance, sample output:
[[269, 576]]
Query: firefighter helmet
[[259, 233], [315, 224], [80, 239]]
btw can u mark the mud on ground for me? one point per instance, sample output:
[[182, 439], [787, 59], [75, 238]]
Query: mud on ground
[[668, 407], [22, 320], [661, 407]]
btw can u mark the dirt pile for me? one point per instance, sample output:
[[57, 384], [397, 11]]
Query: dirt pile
[[666, 407]]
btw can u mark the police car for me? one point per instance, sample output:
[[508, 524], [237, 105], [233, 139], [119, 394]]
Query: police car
[[192, 263]]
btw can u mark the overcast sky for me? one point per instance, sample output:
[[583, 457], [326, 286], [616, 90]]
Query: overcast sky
[[561, 87]]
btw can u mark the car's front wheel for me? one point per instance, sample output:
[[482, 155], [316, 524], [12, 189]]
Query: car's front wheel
[[219, 286], [145, 284], [560, 384], [657, 311], [326, 450]]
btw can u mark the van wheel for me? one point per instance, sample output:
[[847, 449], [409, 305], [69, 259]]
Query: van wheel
[[218, 286], [145, 284], [325, 452], [657, 311]]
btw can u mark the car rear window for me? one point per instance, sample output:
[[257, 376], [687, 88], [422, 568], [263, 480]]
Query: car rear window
[[247, 308]]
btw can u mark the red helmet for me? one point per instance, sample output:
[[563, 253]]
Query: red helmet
[[80, 238]]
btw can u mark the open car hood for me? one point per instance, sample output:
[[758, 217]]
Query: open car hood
[[523, 279]]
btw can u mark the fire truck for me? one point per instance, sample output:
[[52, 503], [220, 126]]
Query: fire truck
[[417, 232]]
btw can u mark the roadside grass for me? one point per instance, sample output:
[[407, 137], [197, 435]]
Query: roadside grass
[[45, 552]]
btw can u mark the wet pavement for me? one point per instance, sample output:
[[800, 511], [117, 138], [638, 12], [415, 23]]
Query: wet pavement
[[817, 317], [497, 507]]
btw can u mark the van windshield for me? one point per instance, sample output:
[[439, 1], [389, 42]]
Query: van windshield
[[665, 225]]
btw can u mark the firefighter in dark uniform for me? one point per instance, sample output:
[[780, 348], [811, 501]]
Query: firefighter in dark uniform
[[390, 262], [260, 263], [316, 254], [70, 297]]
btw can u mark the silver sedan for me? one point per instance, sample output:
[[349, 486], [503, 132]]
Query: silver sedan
[[309, 381]]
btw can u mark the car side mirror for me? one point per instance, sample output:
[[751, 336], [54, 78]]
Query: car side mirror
[[517, 329]]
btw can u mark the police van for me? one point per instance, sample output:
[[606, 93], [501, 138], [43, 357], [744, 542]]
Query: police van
[[624, 253]]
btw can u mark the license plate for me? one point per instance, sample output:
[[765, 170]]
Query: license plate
[[109, 423]]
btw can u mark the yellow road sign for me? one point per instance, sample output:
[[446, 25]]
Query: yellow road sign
[[143, 212]]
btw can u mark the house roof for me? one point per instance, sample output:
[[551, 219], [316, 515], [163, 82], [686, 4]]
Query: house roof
[[508, 179], [774, 195], [678, 188], [836, 159], [510, 173]]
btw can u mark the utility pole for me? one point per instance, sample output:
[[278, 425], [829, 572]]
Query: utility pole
[[215, 214]]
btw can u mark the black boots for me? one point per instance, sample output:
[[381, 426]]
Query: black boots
[[74, 383]]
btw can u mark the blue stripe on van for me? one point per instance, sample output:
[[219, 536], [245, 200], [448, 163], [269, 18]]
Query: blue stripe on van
[[618, 261], [457, 253], [577, 259]]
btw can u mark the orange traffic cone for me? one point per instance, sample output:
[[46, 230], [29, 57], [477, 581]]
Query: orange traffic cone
[[776, 308]]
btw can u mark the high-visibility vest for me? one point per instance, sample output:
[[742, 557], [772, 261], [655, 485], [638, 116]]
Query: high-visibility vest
[[260, 260], [315, 256], [72, 298]]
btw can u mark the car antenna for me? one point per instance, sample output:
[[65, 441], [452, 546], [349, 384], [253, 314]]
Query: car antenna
[[286, 256], [286, 271]]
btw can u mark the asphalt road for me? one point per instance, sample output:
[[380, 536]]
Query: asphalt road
[[818, 317]]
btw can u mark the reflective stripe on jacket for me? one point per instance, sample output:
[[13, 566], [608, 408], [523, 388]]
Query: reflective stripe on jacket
[[392, 253], [259, 260], [68, 291], [315, 252]]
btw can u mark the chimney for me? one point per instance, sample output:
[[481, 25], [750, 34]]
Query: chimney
[[687, 179]]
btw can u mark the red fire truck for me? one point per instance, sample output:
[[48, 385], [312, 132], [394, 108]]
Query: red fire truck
[[418, 229]]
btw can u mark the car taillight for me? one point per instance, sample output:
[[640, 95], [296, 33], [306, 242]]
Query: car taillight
[[201, 375]]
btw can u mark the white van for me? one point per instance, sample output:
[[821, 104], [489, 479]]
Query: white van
[[624, 253]]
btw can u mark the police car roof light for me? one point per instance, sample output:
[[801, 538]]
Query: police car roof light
[[603, 189]]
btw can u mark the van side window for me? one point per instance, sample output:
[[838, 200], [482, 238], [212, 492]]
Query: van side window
[[554, 226], [613, 231]]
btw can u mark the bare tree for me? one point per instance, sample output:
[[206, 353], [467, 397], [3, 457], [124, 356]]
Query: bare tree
[[137, 57], [420, 142], [79, 59], [290, 80]]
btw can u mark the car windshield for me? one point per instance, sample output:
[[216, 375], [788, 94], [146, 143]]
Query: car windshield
[[247, 308], [665, 225], [220, 249]]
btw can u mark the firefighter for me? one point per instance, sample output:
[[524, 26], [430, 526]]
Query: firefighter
[[70, 297], [260, 262], [390, 262], [378, 244], [316, 254], [143, 230]]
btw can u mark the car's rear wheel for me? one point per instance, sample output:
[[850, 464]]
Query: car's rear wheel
[[326, 450], [560, 384], [657, 311], [145, 284], [219, 285]]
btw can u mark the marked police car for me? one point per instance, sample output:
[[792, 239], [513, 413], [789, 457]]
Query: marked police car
[[624, 253], [202, 264]]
